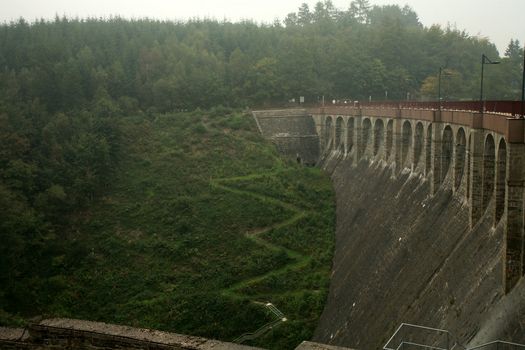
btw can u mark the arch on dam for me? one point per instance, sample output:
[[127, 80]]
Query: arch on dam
[[418, 143], [406, 141], [366, 133], [489, 158], [459, 159], [328, 131], [350, 126], [389, 138], [447, 147], [379, 134], [428, 150], [338, 133], [501, 175]]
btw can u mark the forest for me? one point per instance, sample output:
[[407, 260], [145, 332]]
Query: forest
[[84, 102]]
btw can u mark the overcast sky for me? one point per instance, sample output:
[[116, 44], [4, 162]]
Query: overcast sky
[[498, 20]]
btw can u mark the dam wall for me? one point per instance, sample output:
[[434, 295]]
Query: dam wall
[[404, 256], [429, 224], [292, 131]]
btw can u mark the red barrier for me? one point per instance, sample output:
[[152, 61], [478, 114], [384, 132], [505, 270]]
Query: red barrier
[[512, 108]]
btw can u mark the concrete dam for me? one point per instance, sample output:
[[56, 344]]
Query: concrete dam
[[429, 220]]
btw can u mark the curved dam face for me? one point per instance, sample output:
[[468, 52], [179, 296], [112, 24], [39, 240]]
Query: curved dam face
[[429, 229], [403, 256]]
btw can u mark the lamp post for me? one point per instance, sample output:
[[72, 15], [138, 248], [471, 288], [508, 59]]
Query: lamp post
[[484, 60], [523, 87], [442, 72], [439, 87]]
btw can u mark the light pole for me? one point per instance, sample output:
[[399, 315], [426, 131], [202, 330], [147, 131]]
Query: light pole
[[442, 72], [484, 60], [523, 87], [439, 87]]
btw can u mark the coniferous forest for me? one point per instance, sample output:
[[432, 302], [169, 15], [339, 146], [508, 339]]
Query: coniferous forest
[[116, 135]]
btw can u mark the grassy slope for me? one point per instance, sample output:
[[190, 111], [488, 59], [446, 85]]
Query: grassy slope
[[203, 220]]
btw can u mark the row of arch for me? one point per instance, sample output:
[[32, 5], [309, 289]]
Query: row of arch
[[377, 137], [451, 154]]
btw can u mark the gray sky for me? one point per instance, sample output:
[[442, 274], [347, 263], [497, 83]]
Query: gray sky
[[498, 20]]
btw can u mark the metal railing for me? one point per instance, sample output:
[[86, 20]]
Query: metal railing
[[260, 331], [410, 336], [257, 333], [504, 107], [499, 345]]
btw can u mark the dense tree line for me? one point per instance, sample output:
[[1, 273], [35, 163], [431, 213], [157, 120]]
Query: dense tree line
[[127, 65], [66, 83]]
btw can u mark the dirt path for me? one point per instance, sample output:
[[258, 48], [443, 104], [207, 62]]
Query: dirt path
[[298, 260]]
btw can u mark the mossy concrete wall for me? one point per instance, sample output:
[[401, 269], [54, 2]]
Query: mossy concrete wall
[[405, 256], [292, 131], [429, 227]]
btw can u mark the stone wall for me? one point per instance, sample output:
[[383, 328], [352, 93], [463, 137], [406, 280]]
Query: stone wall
[[78, 334], [63, 334], [488, 165], [292, 131]]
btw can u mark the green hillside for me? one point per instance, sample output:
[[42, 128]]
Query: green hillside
[[201, 224]]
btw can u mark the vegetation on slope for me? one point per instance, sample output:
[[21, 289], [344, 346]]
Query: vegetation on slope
[[189, 236]]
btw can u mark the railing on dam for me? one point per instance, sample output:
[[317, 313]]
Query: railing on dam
[[499, 345], [508, 108], [499, 107], [410, 336]]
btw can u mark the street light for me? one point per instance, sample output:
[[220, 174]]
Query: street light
[[523, 87], [484, 60], [439, 87], [442, 72]]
